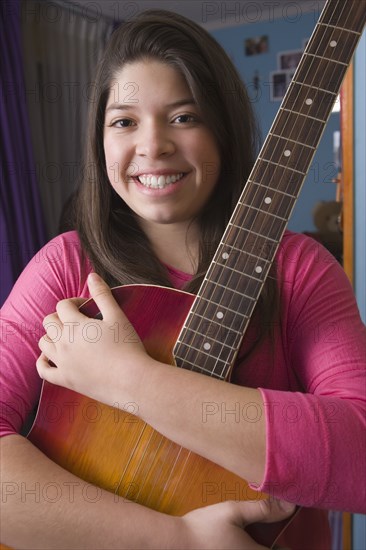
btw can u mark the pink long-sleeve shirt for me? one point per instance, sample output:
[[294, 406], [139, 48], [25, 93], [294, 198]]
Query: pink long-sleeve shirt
[[312, 374]]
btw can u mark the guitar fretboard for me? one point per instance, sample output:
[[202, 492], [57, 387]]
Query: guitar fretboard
[[220, 314]]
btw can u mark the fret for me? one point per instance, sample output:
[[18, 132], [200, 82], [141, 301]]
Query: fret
[[251, 232], [235, 225], [241, 294], [278, 205], [211, 321], [195, 368], [244, 253], [358, 34], [187, 351], [234, 304], [240, 273], [233, 270], [297, 127], [291, 140], [283, 166], [266, 213], [313, 87], [254, 255], [233, 317], [323, 75], [349, 14], [210, 351], [271, 189], [309, 101], [266, 225], [307, 116], [230, 271], [251, 241], [334, 44], [326, 58], [219, 304], [282, 177], [279, 150]]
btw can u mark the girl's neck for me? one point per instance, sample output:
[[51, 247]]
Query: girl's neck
[[175, 244]]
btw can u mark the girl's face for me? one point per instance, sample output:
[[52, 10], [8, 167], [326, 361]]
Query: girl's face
[[161, 158]]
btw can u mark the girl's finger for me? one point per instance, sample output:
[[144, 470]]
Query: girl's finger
[[267, 511], [68, 311], [45, 370], [103, 297]]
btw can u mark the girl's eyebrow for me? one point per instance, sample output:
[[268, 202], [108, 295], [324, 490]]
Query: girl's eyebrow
[[126, 106]]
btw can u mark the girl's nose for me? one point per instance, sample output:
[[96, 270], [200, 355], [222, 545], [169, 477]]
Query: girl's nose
[[154, 141]]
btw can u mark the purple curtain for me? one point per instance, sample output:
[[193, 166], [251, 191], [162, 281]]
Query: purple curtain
[[21, 218]]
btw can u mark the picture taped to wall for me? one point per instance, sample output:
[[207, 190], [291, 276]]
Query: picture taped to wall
[[256, 45], [289, 60], [279, 82]]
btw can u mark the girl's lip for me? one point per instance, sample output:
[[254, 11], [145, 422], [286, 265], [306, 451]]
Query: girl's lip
[[156, 191], [165, 172]]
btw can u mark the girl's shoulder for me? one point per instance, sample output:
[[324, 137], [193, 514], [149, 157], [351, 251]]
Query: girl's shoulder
[[307, 271], [301, 253]]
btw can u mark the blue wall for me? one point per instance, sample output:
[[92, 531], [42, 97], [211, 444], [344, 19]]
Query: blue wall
[[283, 35]]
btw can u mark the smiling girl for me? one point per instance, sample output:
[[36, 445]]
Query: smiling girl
[[171, 141]]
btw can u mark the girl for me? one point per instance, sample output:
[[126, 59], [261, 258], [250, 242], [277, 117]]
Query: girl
[[171, 143]]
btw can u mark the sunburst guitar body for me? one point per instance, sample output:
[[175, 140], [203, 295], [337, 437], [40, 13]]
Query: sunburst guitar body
[[110, 447]]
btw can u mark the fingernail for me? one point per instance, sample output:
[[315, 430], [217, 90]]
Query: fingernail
[[286, 506], [93, 278]]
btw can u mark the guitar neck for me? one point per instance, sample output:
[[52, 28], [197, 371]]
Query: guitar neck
[[220, 314]]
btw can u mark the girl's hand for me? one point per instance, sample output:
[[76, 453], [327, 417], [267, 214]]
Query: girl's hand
[[91, 356], [222, 526]]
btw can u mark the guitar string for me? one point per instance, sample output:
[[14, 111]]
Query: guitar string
[[132, 454], [157, 447], [182, 469], [236, 265], [172, 470]]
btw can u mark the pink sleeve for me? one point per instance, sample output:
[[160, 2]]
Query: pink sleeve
[[53, 274], [316, 440]]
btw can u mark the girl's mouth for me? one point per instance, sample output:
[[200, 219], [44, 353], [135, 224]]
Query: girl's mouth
[[158, 181]]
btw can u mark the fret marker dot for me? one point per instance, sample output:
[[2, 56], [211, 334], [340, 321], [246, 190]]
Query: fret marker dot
[[287, 153], [333, 44], [206, 346], [309, 101], [259, 269], [219, 315], [225, 255], [268, 200]]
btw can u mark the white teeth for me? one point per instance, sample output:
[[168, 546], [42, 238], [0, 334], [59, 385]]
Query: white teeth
[[160, 182]]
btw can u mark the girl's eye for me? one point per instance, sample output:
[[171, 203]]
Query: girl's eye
[[122, 123], [181, 119]]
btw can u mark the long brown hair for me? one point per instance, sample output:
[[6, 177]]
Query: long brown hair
[[110, 234]]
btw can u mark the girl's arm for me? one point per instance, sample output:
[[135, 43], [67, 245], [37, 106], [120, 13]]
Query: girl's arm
[[46, 507]]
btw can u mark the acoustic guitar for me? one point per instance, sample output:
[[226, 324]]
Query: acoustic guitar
[[114, 449]]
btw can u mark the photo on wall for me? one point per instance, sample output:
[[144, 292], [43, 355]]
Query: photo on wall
[[289, 60], [256, 45], [279, 82]]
